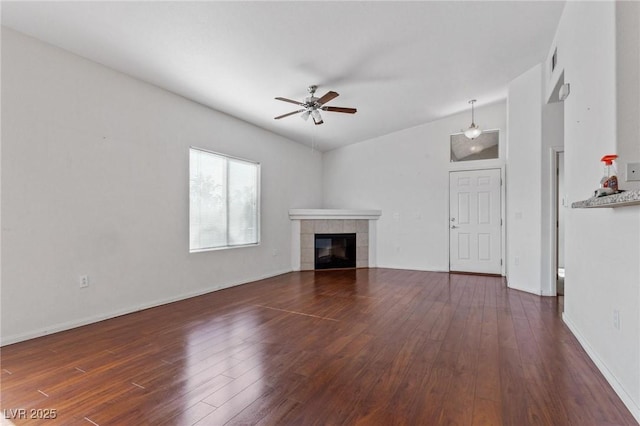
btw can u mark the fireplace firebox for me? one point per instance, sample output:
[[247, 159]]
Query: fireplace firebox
[[334, 251]]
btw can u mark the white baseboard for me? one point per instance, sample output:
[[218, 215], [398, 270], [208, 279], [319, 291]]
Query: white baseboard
[[410, 268], [55, 328], [535, 291], [627, 400]]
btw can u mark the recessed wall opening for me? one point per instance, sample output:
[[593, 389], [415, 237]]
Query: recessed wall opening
[[334, 251]]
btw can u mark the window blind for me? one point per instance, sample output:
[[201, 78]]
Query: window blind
[[223, 201]]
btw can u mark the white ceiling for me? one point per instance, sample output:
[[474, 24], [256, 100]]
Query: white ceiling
[[400, 63]]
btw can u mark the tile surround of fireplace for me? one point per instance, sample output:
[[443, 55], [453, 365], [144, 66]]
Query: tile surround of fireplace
[[308, 222], [309, 228]]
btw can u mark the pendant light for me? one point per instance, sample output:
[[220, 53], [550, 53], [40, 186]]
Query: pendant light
[[473, 131]]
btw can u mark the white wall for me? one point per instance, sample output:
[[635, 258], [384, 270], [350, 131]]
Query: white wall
[[95, 181], [406, 175], [524, 195], [536, 129], [602, 246]]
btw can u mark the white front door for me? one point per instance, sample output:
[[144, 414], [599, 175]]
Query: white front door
[[475, 222]]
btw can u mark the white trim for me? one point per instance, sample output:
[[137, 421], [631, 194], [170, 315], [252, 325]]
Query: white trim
[[503, 215], [483, 162], [627, 399], [503, 212], [295, 245], [373, 245], [334, 214], [414, 268], [554, 214], [258, 195], [489, 163], [93, 319]]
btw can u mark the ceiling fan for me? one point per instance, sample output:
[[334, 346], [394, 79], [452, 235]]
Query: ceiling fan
[[312, 106]]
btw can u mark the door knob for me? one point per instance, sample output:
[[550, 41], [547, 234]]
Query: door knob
[[454, 227]]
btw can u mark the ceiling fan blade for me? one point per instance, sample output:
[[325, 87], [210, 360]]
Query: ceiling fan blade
[[288, 114], [289, 100], [327, 97], [340, 109]]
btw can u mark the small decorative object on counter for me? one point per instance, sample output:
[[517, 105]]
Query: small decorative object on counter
[[609, 182]]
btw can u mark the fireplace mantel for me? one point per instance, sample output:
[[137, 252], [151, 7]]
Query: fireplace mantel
[[304, 222], [333, 214]]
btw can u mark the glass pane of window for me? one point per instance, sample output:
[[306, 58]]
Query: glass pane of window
[[223, 201], [207, 200], [243, 206], [483, 147]]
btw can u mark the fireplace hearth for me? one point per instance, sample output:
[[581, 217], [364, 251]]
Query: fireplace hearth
[[334, 251]]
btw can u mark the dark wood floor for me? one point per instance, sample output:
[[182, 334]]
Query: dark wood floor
[[376, 347]]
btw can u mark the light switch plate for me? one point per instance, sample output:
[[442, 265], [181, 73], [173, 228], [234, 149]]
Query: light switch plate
[[633, 172]]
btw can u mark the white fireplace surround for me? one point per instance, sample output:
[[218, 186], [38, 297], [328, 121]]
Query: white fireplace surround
[[347, 218]]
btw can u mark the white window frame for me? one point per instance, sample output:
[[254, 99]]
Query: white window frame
[[258, 196]]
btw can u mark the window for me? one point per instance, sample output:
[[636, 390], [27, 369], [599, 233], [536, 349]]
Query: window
[[484, 147], [223, 201]]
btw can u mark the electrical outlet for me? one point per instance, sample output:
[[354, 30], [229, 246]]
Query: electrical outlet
[[616, 319], [84, 281], [633, 171]]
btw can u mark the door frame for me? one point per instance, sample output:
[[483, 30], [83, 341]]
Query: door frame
[[462, 167], [554, 153]]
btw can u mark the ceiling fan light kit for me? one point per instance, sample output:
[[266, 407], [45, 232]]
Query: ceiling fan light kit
[[317, 118], [473, 131], [312, 106]]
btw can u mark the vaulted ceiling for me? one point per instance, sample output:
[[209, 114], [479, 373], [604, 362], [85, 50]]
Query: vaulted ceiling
[[401, 64]]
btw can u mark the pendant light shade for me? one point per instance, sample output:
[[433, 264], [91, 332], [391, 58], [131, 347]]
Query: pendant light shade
[[473, 131], [317, 118]]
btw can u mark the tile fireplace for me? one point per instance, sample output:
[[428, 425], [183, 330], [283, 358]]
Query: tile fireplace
[[309, 224]]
